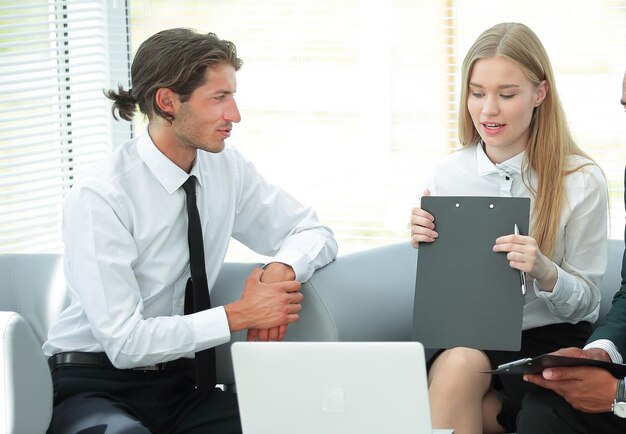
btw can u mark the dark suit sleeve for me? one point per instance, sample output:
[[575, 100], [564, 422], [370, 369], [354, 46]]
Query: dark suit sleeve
[[614, 326]]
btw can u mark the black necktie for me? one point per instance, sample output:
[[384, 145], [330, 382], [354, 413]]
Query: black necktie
[[197, 292]]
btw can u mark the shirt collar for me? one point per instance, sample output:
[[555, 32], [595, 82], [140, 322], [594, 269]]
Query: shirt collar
[[508, 167], [169, 175]]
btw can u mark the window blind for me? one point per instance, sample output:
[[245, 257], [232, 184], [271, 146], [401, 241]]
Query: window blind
[[54, 121]]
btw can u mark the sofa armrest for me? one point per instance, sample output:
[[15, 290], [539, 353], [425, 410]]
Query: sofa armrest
[[362, 296], [228, 288], [25, 382]]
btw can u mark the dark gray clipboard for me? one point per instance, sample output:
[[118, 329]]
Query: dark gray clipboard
[[537, 364], [466, 294]]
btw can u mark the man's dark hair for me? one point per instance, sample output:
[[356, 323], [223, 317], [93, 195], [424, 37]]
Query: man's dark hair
[[176, 59]]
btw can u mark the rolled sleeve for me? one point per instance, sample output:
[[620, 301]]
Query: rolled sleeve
[[306, 252], [582, 253], [571, 297]]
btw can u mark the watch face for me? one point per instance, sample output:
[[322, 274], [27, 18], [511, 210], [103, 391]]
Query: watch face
[[619, 409]]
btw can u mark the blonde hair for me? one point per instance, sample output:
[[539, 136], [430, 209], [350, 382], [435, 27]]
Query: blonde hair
[[550, 140]]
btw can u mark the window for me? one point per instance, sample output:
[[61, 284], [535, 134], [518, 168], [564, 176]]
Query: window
[[346, 104], [55, 59]]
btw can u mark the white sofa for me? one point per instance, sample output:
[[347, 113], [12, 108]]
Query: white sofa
[[364, 296]]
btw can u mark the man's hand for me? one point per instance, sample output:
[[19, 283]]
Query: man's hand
[[585, 388], [274, 272], [264, 305], [591, 353]]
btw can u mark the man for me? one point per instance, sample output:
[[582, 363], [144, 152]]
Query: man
[[583, 399], [145, 235]]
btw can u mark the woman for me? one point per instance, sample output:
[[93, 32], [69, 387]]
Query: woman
[[516, 142]]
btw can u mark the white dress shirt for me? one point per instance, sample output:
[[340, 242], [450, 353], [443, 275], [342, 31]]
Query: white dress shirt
[[609, 347], [127, 257], [581, 248]]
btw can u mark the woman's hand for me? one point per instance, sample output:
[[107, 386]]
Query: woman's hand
[[422, 226], [523, 254]]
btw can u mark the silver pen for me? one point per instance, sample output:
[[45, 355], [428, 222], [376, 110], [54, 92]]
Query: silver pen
[[522, 275]]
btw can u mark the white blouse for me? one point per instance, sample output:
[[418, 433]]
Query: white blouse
[[581, 248]]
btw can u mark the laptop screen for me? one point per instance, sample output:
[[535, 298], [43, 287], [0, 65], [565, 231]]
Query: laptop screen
[[331, 387]]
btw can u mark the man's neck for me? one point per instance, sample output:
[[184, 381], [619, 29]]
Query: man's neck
[[164, 139]]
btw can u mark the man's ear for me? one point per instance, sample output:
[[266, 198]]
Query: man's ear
[[166, 100], [541, 93]]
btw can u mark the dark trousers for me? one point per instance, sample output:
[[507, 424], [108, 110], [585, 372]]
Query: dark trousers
[[545, 412], [511, 389], [94, 400]]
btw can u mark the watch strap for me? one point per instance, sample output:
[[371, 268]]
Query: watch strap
[[620, 393]]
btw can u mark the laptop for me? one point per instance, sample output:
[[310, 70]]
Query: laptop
[[332, 388]]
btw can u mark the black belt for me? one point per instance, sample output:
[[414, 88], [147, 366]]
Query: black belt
[[100, 360]]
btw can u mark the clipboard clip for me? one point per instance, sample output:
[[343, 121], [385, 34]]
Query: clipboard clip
[[522, 275], [515, 363]]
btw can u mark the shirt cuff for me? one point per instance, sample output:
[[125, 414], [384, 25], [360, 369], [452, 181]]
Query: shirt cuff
[[211, 328], [608, 346], [294, 259], [559, 292]]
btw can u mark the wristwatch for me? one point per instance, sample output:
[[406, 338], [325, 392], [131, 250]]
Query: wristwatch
[[619, 404]]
